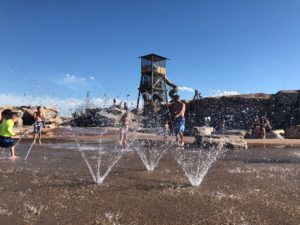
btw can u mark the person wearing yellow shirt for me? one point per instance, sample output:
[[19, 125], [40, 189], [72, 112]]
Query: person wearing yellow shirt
[[6, 131]]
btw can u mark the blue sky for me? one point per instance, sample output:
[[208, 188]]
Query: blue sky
[[60, 49]]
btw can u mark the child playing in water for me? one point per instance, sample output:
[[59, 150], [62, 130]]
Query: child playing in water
[[166, 130], [6, 131], [177, 110], [125, 122], [38, 125], [2, 116]]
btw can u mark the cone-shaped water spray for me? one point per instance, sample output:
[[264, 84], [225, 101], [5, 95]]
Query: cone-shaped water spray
[[150, 153], [98, 157], [196, 162]]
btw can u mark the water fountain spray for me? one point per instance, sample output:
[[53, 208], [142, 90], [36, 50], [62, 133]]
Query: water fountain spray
[[23, 135], [196, 162], [2, 153], [29, 150], [150, 153], [102, 158]]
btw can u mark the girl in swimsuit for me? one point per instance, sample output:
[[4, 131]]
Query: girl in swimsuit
[[125, 123]]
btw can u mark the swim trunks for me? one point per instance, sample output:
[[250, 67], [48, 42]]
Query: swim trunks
[[124, 128], [6, 142], [179, 125], [38, 127]]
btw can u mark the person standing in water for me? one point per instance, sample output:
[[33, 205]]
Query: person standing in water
[[265, 126], [221, 128], [125, 106], [6, 131], [178, 112], [2, 116], [38, 124], [125, 122]]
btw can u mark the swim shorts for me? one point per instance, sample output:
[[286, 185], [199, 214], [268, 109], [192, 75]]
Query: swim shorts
[[179, 125], [38, 127], [6, 142], [124, 128]]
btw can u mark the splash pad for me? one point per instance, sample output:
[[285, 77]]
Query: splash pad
[[99, 161], [100, 154]]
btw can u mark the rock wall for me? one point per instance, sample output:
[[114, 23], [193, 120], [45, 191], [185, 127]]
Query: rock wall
[[239, 111], [96, 118], [293, 132], [26, 115]]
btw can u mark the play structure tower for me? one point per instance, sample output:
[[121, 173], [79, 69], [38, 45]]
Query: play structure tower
[[153, 85]]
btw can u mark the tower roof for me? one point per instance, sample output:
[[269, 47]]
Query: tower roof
[[153, 57]]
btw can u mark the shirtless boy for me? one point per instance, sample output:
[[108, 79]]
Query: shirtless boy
[[178, 111], [38, 125]]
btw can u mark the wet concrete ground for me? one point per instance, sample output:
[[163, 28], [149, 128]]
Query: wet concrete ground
[[255, 186]]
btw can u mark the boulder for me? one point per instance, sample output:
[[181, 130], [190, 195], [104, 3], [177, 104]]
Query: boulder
[[104, 117], [275, 134], [248, 135], [203, 130], [15, 110], [25, 114], [239, 111], [293, 132], [236, 132], [229, 141], [95, 118], [285, 109], [51, 115]]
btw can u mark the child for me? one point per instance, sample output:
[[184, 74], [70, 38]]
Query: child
[[38, 125], [166, 130], [265, 126], [125, 123], [6, 132], [178, 112], [2, 116]]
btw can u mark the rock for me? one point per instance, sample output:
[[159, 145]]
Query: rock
[[284, 109], [229, 141], [51, 115], [15, 110], [51, 126], [202, 130], [275, 134], [239, 111], [103, 117], [95, 118], [248, 135], [293, 132], [26, 115], [236, 132], [149, 130]]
